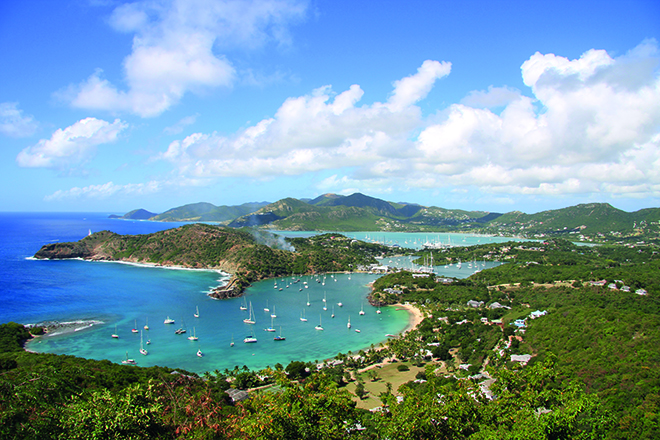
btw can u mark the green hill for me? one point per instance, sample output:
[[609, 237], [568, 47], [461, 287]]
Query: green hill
[[206, 212], [136, 214], [234, 251], [596, 221], [358, 212]]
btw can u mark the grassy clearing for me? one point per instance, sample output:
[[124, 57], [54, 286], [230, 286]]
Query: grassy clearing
[[387, 373]]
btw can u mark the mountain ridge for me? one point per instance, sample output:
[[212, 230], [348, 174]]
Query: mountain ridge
[[360, 212]]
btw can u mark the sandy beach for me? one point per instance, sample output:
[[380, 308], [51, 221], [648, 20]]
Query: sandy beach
[[416, 316]]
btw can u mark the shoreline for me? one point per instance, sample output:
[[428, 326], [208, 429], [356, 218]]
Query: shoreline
[[415, 316], [72, 327]]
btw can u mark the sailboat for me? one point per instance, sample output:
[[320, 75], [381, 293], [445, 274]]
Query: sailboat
[[302, 316], [333, 311], [349, 323], [250, 319], [142, 349], [250, 339], [115, 335], [270, 329], [308, 299], [266, 309], [280, 337], [378, 311], [128, 361], [231, 344], [319, 327], [362, 309], [181, 330], [168, 321], [244, 305], [323, 296], [134, 329], [273, 315], [194, 336], [146, 325], [196, 314], [199, 353]]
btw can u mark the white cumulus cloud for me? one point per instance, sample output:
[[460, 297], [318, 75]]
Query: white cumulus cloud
[[175, 49], [14, 123], [319, 131], [72, 145], [591, 127]]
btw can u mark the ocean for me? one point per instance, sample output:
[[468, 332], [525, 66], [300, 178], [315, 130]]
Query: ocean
[[94, 300]]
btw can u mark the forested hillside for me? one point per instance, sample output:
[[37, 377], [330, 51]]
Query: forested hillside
[[560, 342]]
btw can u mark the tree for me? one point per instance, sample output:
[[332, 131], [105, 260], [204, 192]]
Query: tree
[[360, 391], [100, 415], [296, 370], [317, 410]]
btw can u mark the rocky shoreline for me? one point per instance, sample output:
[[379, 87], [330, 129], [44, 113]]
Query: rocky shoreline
[[230, 290]]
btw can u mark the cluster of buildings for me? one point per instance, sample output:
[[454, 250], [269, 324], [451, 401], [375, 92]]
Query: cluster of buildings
[[617, 285]]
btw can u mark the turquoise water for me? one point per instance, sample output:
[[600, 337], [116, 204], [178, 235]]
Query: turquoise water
[[94, 297], [178, 294], [464, 270], [415, 240]]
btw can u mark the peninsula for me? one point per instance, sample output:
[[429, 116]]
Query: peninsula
[[247, 257]]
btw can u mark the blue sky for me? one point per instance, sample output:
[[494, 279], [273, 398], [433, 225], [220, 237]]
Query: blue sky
[[496, 106]]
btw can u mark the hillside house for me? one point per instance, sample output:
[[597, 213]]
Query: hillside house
[[475, 304], [522, 358], [237, 395], [538, 314], [497, 305]]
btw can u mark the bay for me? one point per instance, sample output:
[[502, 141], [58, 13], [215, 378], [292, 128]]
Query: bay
[[94, 298]]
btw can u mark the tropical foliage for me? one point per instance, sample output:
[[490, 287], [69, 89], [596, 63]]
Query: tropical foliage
[[537, 348]]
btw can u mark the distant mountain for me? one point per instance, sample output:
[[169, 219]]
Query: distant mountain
[[325, 199], [600, 219], [136, 214], [200, 212], [358, 200], [190, 212], [593, 216], [271, 213], [359, 212]]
